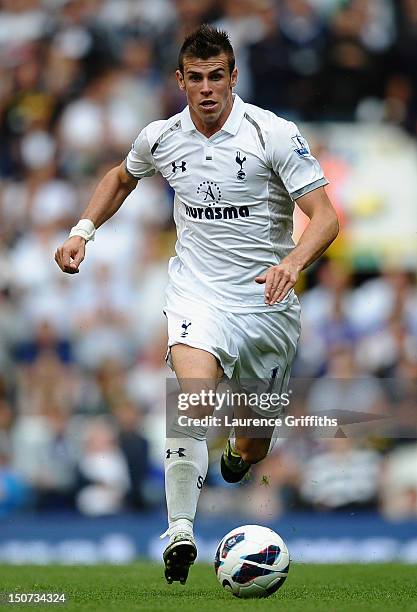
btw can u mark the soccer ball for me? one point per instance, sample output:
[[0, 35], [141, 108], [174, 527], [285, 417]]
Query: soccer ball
[[252, 561]]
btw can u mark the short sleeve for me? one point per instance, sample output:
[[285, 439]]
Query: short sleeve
[[292, 161], [139, 162]]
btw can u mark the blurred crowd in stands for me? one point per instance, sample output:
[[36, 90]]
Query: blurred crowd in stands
[[82, 373]]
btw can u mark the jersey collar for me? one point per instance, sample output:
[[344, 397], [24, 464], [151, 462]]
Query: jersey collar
[[232, 122]]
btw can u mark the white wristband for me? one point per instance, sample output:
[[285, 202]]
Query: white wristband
[[84, 228]]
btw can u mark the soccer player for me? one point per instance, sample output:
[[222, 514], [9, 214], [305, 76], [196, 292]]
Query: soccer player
[[236, 170]]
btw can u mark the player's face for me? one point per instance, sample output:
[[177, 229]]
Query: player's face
[[208, 85]]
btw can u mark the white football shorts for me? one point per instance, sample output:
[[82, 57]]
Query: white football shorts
[[248, 346]]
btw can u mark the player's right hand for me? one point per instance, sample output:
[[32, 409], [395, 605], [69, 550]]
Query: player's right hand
[[71, 254]]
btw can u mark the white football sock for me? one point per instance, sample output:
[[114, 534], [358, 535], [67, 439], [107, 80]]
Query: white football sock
[[186, 463]]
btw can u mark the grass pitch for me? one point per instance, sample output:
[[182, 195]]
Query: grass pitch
[[141, 586]]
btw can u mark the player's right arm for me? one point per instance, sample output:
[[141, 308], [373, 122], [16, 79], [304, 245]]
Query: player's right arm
[[107, 198]]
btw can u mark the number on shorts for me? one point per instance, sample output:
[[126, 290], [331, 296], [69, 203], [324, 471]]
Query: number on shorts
[[272, 379]]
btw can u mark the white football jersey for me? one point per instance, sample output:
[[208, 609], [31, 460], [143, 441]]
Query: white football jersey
[[234, 200]]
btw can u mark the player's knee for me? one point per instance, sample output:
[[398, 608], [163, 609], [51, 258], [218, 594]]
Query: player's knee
[[197, 398], [187, 430]]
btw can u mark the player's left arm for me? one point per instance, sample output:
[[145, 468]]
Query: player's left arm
[[316, 238]]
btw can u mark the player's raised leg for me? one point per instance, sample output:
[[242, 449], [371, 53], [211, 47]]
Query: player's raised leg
[[241, 452], [186, 459], [267, 344]]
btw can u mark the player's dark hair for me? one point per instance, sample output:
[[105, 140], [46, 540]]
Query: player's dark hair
[[206, 42]]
